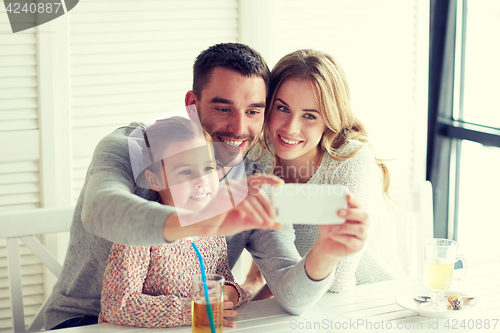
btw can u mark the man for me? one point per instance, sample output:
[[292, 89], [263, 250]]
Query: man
[[229, 93]]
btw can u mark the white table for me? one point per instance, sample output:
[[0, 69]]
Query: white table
[[367, 308]]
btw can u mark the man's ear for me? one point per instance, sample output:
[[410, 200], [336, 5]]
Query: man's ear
[[191, 102], [154, 182]]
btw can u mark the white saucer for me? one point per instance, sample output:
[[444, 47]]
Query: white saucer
[[407, 301]]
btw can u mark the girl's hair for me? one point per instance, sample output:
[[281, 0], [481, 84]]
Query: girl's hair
[[167, 131], [332, 91]]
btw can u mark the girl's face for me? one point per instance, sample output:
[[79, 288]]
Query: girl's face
[[295, 124], [192, 179]]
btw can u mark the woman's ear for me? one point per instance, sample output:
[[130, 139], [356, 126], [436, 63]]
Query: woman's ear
[[154, 182]]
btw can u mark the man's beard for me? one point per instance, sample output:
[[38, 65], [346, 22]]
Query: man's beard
[[223, 154], [225, 157]]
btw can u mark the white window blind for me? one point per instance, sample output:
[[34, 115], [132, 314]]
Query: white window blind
[[19, 156], [383, 48], [132, 61], [126, 61], [379, 44], [19, 151]]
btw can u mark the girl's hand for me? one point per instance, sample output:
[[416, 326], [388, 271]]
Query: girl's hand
[[230, 295], [227, 312]]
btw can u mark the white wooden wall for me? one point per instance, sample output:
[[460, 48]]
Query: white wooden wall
[[132, 60], [66, 84], [20, 181], [383, 48]]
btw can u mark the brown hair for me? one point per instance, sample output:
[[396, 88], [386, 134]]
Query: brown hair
[[233, 56]]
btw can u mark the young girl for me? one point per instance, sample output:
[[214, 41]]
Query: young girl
[[312, 136], [150, 286]]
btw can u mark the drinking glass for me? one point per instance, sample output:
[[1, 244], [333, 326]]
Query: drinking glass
[[440, 256], [199, 315]]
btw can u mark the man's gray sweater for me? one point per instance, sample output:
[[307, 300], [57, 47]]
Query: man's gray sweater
[[112, 208]]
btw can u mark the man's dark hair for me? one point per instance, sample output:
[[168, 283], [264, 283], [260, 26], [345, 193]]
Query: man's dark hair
[[233, 56]]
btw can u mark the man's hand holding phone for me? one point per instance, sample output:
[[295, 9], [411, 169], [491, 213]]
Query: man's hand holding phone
[[336, 241]]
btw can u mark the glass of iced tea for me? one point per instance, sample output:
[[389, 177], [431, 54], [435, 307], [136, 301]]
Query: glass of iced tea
[[199, 314], [440, 256]]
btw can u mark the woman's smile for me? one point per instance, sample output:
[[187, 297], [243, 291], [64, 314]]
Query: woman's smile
[[295, 124], [288, 141]]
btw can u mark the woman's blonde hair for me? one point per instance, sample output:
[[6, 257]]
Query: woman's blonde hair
[[332, 90]]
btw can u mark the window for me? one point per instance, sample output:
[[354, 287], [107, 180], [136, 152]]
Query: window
[[464, 123]]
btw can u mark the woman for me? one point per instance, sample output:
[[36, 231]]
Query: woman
[[312, 136]]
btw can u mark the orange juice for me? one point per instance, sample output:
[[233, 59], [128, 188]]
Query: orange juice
[[200, 318], [438, 274]]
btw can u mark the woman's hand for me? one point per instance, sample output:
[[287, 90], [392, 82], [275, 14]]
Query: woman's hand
[[230, 300], [338, 240], [254, 281]]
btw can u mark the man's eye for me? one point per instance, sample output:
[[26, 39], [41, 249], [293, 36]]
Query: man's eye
[[310, 116], [186, 172], [253, 112], [282, 108], [223, 109]]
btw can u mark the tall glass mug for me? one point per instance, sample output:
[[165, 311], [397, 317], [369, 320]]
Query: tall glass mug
[[199, 315], [440, 256]]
